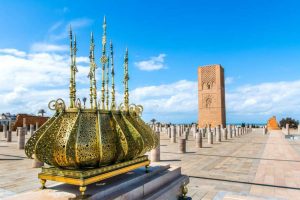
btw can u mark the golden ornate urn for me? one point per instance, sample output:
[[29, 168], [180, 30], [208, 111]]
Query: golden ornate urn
[[86, 145]]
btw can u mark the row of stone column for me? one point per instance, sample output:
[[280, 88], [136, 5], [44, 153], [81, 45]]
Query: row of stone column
[[21, 132], [218, 132]]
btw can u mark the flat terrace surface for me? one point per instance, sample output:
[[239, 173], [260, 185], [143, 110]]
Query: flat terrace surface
[[253, 165]]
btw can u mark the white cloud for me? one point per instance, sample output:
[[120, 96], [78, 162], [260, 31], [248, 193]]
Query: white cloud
[[13, 52], [278, 98], [30, 81], [154, 63], [45, 47]]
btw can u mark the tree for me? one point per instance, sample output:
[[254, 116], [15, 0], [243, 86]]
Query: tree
[[153, 120], [41, 112], [84, 100], [292, 122]]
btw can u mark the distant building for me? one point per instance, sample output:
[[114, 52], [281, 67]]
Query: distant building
[[30, 119], [211, 96], [6, 117]]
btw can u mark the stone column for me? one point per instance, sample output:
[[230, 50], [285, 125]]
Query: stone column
[[21, 137], [36, 163], [155, 153], [287, 128], [229, 131], [194, 129], [299, 129], [203, 132], [25, 125], [9, 133], [210, 138], [169, 132], [36, 126], [264, 130], [234, 131], [182, 145], [218, 133], [225, 133], [238, 131], [173, 134], [199, 139], [31, 129], [186, 135], [5, 130]]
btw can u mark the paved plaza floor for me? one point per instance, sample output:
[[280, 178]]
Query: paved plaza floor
[[250, 166]]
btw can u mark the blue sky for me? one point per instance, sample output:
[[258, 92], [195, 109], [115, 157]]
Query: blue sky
[[257, 42]]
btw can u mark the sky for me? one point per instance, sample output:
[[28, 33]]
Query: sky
[[256, 41]]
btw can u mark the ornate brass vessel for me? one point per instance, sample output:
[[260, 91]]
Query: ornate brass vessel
[[80, 139]]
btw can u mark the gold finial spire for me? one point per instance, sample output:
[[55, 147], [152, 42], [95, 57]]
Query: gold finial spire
[[113, 103], [92, 74], [126, 78], [74, 70], [107, 82], [103, 61], [71, 69]]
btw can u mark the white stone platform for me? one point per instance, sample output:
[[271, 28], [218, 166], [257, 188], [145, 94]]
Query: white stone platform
[[162, 182]]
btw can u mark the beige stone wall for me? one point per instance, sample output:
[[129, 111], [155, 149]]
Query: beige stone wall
[[211, 96]]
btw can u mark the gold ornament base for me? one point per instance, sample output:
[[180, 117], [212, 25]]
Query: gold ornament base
[[85, 177]]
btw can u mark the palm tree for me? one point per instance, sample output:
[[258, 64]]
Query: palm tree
[[41, 112], [153, 120], [84, 100]]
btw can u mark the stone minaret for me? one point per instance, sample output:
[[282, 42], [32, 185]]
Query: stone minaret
[[211, 96]]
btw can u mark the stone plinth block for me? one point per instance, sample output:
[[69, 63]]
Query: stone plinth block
[[162, 182]]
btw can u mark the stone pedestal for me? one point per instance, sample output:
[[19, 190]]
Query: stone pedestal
[[210, 138], [199, 139], [161, 182], [218, 133], [21, 137], [182, 145], [155, 153]]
